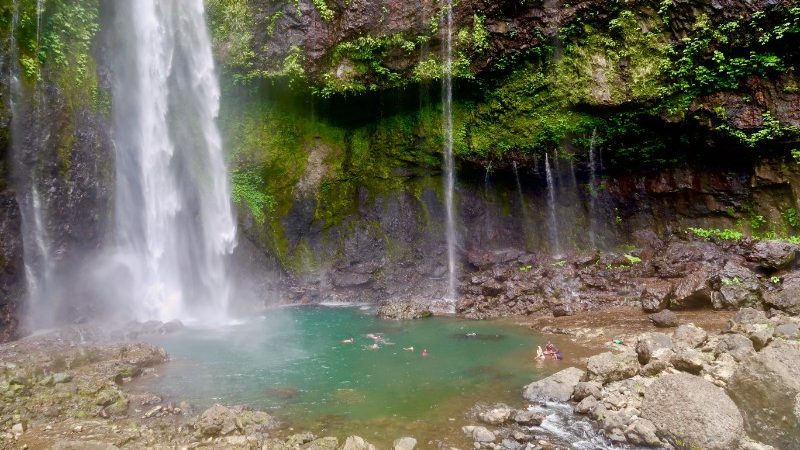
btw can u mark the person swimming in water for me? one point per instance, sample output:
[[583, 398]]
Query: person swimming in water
[[539, 352], [425, 353], [408, 349], [348, 341]]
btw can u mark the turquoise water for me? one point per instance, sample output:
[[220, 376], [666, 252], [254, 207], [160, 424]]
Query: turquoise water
[[293, 363]]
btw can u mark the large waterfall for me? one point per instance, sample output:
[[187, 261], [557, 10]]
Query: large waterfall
[[174, 226]]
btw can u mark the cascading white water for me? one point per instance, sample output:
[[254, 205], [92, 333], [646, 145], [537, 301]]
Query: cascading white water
[[174, 225], [39, 10], [449, 164], [592, 192], [551, 203]]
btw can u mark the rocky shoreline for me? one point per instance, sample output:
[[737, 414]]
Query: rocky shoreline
[[70, 389]]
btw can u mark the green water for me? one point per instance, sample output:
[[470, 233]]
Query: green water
[[293, 364]]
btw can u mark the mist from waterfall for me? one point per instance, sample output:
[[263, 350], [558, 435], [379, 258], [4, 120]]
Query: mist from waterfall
[[449, 163], [174, 227]]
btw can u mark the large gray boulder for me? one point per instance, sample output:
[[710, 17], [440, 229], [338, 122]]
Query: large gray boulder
[[766, 386], [649, 343], [556, 387], [692, 413], [612, 366], [787, 298]]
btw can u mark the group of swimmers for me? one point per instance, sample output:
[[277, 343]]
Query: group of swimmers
[[378, 339], [550, 351]]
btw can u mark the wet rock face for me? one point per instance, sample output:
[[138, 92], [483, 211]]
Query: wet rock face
[[11, 266]]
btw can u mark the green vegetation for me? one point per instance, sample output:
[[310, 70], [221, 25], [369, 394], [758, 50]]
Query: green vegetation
[[714, 233], [633, 259]]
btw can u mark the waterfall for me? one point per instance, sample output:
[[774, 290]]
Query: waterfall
[[525, 217], [551, 203], [449, 164], [592, 192], [174, 226], [35, 241], [39, 10]]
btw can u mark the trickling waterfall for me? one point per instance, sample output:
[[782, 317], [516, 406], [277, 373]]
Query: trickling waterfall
[[174, 225], [526, 222], [449, 164], [551, 203], [39, 10], [36, 248], [592, 192]]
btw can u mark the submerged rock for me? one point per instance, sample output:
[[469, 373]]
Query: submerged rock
[[692, 412], [557, 387]]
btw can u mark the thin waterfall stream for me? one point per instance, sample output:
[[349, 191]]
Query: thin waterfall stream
[[592, 192], [449, 163], [551, 203]]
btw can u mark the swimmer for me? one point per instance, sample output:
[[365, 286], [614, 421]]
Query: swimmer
[[408, 349], [473, 334], [424, 352], [373, 347], [348, 341], [539, 352], [375, 337]]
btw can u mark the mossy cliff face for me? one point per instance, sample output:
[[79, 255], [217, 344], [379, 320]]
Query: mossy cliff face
[[334, 126]]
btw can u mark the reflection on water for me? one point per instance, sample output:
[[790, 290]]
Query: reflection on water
[[301, 364]]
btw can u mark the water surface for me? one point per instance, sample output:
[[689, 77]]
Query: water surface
[[293, 363]]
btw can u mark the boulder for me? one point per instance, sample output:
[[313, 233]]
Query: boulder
[[738, 287], [664, 319], [587, 405], [403, 311], [690, 336], [497, 415], [557, 387], [479, 434], [585, 389], [766, 386], [216, 421], [357, 443], [688, 360], [787, 298], [325, 443], [693, 290], [404, 443], [738, 346], [612, 366], [692, 412], [787, 331], [649, 343], [223, 421], [656, 296], [754, 324], [643, 432], [772, 255], [528, 418]]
